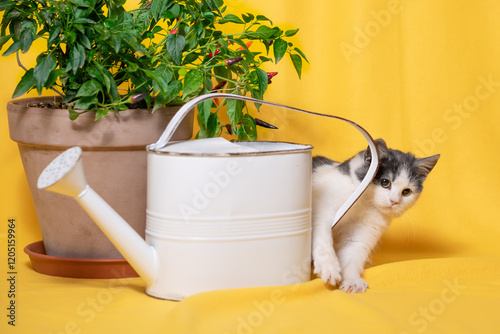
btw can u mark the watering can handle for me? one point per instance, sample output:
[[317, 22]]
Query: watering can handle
[[186, 108]]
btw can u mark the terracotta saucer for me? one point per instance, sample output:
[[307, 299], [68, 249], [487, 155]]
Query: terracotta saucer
[[77, 267]]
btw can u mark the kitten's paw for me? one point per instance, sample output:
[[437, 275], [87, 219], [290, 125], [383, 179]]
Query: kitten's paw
[[353, 285], [329, 272]]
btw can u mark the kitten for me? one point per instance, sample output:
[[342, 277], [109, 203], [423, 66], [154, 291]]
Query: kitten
[[396, 187]]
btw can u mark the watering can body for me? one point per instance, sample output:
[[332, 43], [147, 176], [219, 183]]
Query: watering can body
[[219, 214], [227, 219]]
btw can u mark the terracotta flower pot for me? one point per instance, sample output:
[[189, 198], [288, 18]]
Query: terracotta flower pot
[[114, 161]]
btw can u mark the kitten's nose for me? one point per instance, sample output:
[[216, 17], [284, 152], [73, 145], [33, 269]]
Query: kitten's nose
[[395, 200]]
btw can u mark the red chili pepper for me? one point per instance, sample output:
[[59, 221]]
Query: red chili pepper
[[214, 54], [232, 61], [229, 129], [219, 85], [247, 44], [270, 75], [263, 124]]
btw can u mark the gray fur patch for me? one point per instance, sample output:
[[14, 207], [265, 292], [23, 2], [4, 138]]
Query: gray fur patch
[[320, 161], [345, 167]]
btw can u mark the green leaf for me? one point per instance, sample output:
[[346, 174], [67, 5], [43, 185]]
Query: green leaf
[[262, 79], [265, 32], [204, 109], [160, 101], [95, 73], [53, 35], [297, 63], [173, 12], [264, 59], [301, 53], [3, 40], [207, 84], [82, 3], [84, 20], [164, 74], [214, 6], [71, 37], [231, 18], [199, 29], [73, 114], [175, 45], [100, 114], [192, 82], [28, 31], [89, 88], [290, 33], [222, 71], [42, 71], [157, 7], [234, 111], [26, 83], [12, 48], [77, 57], [256, 95], [116, 42], [212, 129], [85, 102], [263, 18], [248, 17], [53, 76], [131, 66], [85, 41], [213, 125], [248, 128], [279, 47], [110, 85], [191, 41], [174, 88]]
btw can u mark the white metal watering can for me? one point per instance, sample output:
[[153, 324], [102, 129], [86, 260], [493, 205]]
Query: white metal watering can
[[220, 214]]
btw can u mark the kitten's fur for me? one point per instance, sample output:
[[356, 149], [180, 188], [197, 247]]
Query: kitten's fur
[[357, 233]]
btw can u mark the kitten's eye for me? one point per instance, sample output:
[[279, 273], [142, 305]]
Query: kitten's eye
[[385, 183], [406, 192]]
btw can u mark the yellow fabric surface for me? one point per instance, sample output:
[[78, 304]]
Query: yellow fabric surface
[[422, 74]]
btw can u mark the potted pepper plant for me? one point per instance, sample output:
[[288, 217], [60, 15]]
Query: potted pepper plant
[[118, 76]]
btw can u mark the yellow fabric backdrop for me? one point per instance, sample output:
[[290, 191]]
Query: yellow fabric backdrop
[[422, 74]]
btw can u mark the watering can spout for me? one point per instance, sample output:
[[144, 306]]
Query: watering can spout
[[64, 175]]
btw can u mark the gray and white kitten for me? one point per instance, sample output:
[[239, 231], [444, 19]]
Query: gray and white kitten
[[340, 254]]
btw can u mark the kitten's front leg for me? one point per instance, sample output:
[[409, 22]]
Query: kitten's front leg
[[326, 263], [352, 260], [353, 252]]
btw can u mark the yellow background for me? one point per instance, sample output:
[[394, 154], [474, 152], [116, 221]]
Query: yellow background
[[425, 76]]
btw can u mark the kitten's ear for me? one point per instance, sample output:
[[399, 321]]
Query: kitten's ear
[[425, 165], [381, 149]]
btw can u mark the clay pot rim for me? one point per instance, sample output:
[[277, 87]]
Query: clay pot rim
[[131, 129], [70, 267], [22, 104], [37, 250]]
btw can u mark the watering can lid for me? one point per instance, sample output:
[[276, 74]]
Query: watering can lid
[[223, 147]]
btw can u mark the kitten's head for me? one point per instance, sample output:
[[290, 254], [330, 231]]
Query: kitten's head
[[399, 180]]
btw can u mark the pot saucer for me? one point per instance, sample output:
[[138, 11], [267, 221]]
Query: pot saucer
[[77, 267]]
